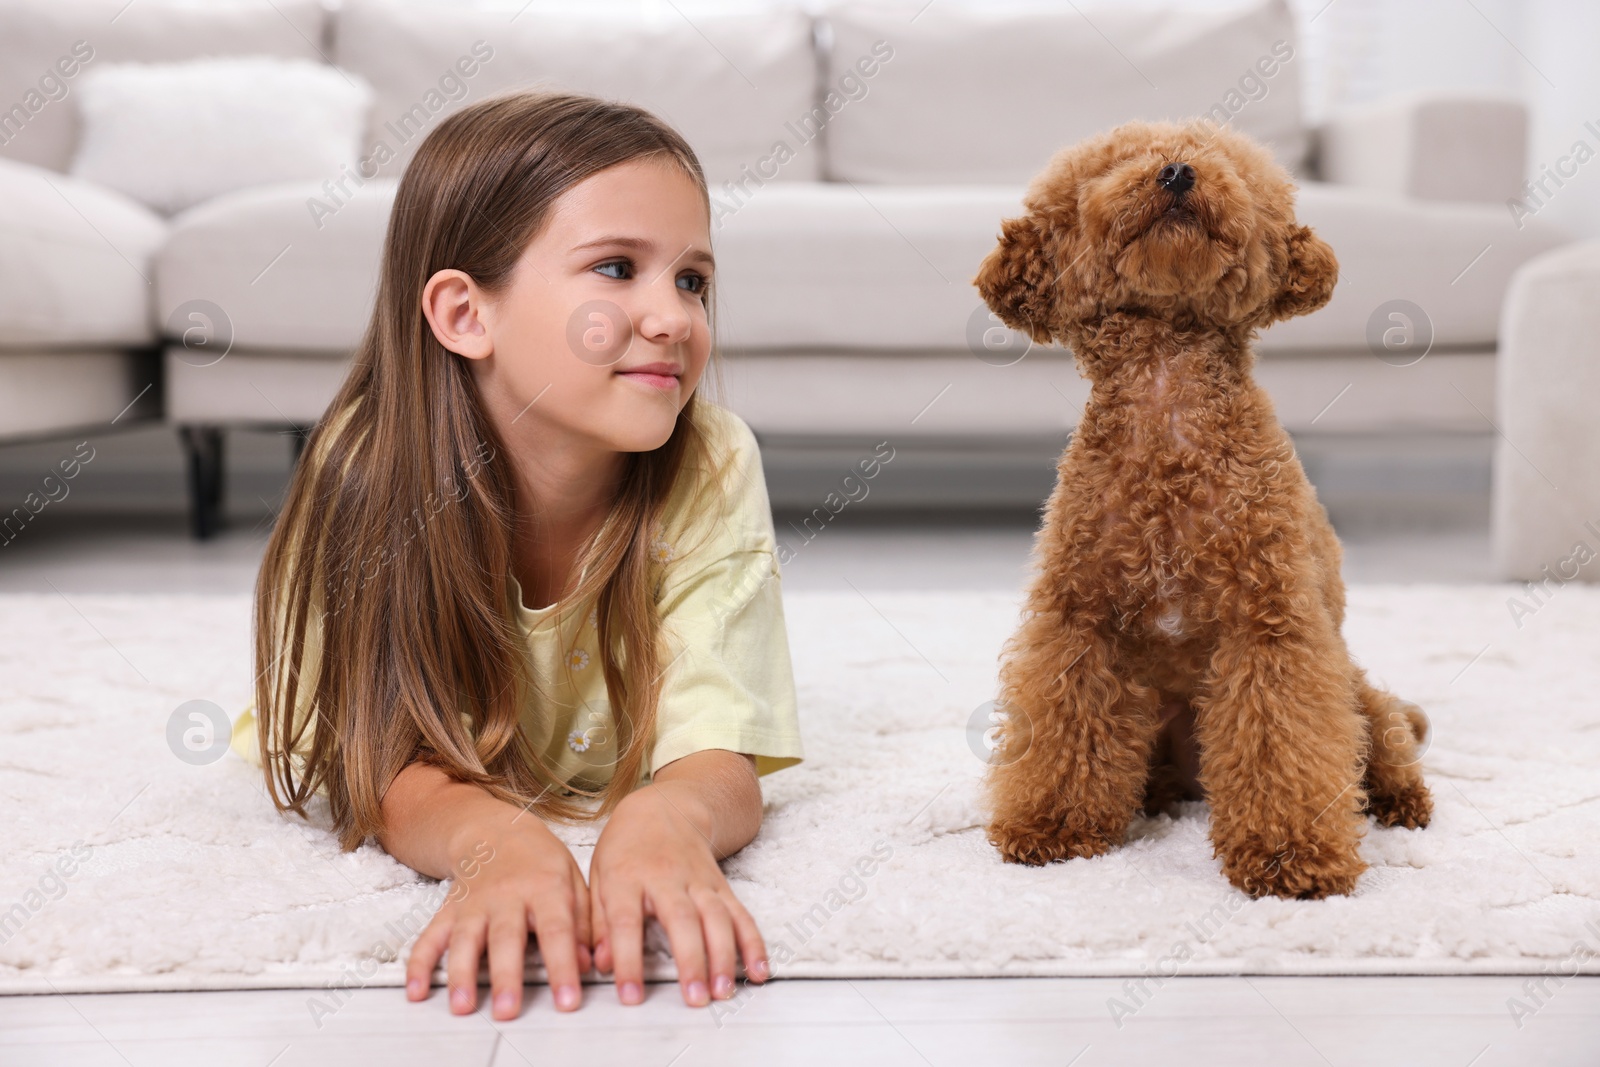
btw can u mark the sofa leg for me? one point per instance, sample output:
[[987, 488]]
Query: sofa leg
[[203, 446]]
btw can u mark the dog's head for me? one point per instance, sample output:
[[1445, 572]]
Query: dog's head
[[1192, 224]]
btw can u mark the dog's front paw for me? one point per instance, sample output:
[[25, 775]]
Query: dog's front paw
[[1300, 870], [1036, 845], [1410, 806]]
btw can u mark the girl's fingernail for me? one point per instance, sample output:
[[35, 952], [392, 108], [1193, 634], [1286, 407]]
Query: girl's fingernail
[[759, 969], [631, 992], [567, 997], [506, 1001], [460, 999], [414, 988], [722, 987], [697, 992]]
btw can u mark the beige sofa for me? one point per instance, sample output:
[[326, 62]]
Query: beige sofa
[[845, 257], [1545, 518]]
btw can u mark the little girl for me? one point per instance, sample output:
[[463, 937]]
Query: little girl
[[522, 565]]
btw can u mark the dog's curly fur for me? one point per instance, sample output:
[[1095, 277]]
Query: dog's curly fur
[[1188, 577]]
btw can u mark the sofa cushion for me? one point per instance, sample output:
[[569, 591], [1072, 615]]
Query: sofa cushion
[[872, 395], [829, 265], [824, 264], [250, 387], [730, 81], [47, 392], [48, 43], [810, 263], [172, 135], [284, 275], [1451, 260], [980, 94], [1429, 144], [75, 262], [818, 265]]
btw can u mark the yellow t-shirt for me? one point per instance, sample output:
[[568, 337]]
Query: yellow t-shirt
[[727, 679]]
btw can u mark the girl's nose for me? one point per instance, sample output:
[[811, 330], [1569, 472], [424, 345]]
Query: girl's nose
[[662, 315]]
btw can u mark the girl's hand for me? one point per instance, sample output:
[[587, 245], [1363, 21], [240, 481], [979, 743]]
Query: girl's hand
[[656, 857], [510, 876]]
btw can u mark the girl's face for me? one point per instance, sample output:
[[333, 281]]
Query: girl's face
[[602, 335]]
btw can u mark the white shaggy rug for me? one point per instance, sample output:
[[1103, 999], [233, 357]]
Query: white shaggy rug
[[183, 877]]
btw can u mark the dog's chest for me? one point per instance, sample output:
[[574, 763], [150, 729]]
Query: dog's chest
[[1171, 621], [1163, 484], [1158, 525], [1155, 549]]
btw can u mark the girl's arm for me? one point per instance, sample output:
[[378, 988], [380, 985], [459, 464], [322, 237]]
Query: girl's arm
[[511, 873], [657, 856]]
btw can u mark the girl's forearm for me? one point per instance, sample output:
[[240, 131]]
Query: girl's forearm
[[718, 792], [431, 820]]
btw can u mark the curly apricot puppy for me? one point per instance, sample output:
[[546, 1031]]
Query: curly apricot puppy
[[1187, 572]]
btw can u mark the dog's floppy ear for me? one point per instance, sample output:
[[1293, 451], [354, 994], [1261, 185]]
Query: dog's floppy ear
[[1016, 279], [1308, 277]]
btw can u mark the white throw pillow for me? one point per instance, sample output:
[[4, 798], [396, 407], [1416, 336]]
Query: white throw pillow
[[175, 134]]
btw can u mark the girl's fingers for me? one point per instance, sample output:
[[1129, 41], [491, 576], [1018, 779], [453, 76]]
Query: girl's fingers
[[558, 947], [600, 933], [678, 915], [716, 926], [461, 967], [752, 946], [625, 940], [424, 957], [508, 949], [583, 927]]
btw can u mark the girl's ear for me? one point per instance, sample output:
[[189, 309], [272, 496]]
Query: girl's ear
[[1016, 279], [456, 310], [1308, 277]]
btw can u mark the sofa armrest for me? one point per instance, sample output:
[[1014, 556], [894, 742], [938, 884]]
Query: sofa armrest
[[1429, 146]]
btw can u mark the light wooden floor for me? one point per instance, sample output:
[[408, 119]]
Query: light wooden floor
[[1237, 1022]]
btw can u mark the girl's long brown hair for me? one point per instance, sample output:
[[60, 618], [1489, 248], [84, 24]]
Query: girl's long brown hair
[[395, 537]]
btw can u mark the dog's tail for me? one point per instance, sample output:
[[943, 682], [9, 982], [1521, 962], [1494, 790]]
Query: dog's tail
[[1419, 721]]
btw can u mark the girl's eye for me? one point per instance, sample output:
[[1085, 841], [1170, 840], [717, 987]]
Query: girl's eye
[[622, 270]]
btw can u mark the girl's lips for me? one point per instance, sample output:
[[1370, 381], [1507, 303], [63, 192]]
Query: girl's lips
[[657, 381]]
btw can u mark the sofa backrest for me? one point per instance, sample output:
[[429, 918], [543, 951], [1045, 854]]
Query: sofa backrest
[[984, 94], [892, 91], [729, 80], [46, 44]]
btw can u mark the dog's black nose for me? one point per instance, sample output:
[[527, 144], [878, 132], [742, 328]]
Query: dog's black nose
[[1176, 178]]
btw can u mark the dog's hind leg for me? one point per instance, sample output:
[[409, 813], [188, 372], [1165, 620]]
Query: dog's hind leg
[[1396, 795], [1070, 771]]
